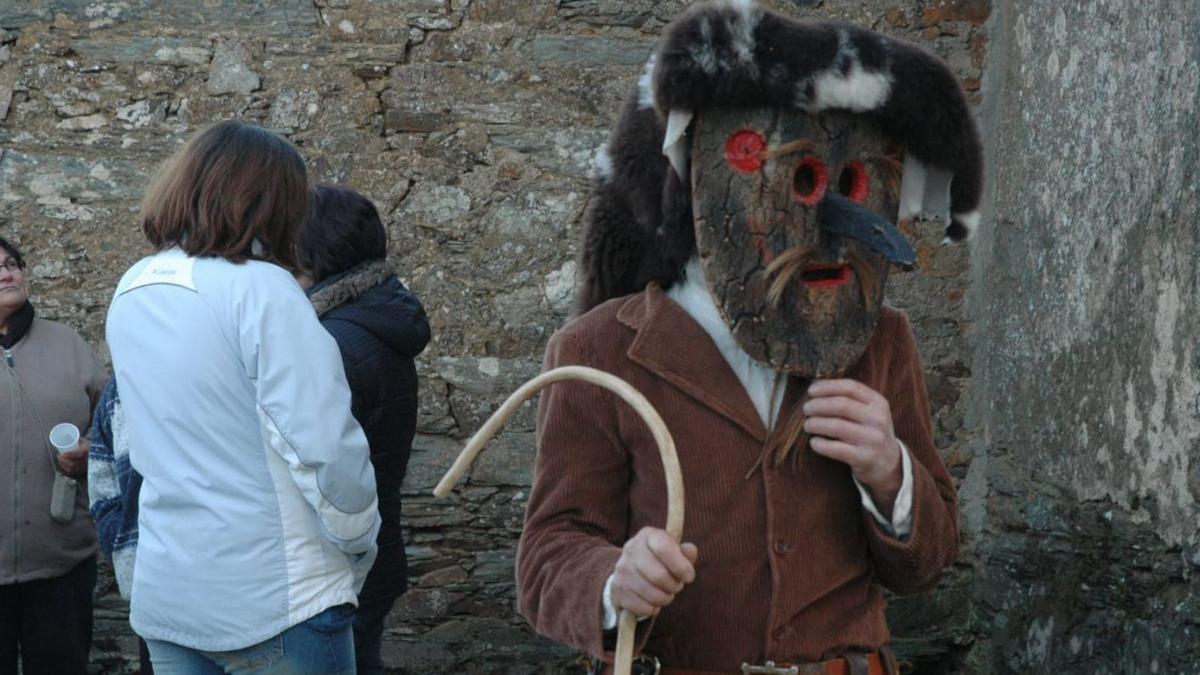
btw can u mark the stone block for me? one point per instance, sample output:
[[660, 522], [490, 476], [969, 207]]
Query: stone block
[[494, 567], [469, 42], [294, 110], [447, 576], [229, 72], [371, 71], [486, 375], [417, 655], [431, 457], [974, 11], [18, 14], [604, 12], [437, 206], [291, 18], [425, 603], [559, 287], [507, 461], [603, 51], [536, 94], [142, 113], [50, 178], [395, 121], [6, 96], [567, 151], [139, 50], [402, 6], [83, 123]]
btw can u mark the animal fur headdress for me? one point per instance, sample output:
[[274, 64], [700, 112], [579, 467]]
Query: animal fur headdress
[[735, 54]]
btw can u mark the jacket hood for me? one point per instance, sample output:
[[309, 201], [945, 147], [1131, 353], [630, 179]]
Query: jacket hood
[[371, 297]]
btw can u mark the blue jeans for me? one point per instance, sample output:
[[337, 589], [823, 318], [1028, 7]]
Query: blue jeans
[[322, 645]]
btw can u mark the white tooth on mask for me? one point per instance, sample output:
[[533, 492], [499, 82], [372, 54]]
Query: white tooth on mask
[[912, 187], [937, 192], [673, 145]]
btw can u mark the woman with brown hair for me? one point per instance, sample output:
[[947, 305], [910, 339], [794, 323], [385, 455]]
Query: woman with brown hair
[[258, 511]]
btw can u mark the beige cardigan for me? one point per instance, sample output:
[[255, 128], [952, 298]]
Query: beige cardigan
[[54, 377], [790, 566]]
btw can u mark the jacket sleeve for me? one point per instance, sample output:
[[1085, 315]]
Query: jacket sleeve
[[104, 489], [304, 409], [576, 519], [915, 563]]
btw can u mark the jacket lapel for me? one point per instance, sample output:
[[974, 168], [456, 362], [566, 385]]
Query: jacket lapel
[[673, 346]]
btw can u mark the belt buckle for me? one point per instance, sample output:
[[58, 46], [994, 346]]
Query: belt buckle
[[646, 665], [769, 668]]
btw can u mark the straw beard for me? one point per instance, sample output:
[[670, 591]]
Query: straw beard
[[782, 271], [791, 263]]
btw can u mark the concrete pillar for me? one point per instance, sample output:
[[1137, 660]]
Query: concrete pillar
[[1085, 490]]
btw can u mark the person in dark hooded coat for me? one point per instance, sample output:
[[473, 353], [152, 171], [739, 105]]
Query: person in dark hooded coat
[[380, 327]]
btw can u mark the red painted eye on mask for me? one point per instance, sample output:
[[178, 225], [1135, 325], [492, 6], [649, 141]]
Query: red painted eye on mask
[[743, 150], [853, 182], [809, 181]]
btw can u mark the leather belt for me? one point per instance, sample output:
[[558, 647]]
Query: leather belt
[[864, 664]]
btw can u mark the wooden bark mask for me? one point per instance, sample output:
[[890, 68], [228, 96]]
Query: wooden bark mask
[[793, 216]]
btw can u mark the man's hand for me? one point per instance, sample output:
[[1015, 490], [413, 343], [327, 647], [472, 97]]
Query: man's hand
[[74, 462], [852, 423], [651, 570]]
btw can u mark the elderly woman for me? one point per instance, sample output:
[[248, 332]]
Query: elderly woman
[[47, 552]]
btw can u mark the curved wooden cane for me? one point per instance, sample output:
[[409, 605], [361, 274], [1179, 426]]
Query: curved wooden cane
[[627, 624]]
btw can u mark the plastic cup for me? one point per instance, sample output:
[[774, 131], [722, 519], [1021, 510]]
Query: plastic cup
[[64, 437]]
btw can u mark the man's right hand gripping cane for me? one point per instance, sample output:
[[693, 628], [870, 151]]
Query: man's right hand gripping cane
[[652, 569]]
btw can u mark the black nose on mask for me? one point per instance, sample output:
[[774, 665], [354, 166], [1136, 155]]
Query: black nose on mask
[[847, 218]]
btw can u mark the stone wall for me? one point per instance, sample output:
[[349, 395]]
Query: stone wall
[[1086, 387], [1057, 394]]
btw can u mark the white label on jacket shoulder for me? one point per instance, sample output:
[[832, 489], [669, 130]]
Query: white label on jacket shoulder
[[165, 269]]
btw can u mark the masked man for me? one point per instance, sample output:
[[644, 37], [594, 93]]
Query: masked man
[[733, 270]]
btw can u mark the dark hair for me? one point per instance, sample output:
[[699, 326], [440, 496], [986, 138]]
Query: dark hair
[[12, 251], [342, 231], [230, 185]]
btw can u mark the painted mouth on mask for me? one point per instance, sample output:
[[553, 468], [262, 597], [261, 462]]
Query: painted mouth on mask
[[829, 275]]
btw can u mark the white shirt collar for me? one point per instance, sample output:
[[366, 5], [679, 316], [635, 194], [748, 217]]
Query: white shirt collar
[[759, 379]]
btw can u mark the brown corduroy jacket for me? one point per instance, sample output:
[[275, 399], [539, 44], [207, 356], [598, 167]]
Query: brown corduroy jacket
[[790, 565]]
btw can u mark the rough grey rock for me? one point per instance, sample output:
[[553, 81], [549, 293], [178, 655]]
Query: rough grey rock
[[597, 50], [6, 96], [507, 461], [229, 72], [487, 375], [284, 18], [168, 51]]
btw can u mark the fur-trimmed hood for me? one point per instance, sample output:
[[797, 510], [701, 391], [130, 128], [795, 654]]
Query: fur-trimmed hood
[[372, 297], [733, 53]]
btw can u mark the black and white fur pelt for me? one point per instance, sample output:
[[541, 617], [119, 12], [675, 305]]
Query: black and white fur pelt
[[638, 226], [733, 53]]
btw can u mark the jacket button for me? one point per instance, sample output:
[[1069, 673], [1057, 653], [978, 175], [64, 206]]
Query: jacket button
[[781, 547]]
